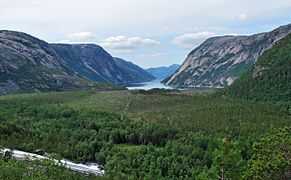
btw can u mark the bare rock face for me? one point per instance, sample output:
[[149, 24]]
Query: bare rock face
[[9, 87], [133, 72], [219, 61], [20, 46], [93, 62], [28, 64]]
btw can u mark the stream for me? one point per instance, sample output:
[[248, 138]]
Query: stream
[[90, 168]]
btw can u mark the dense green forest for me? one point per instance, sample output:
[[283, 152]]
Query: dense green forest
[[270, 77], [148, 135]]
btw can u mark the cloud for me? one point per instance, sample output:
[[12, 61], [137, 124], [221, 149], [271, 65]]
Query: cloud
[[126, 44], [152, 56], [79, 37], [240, 17], [188, 41]]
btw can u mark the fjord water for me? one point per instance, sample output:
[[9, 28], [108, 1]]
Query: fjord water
[[148, 85]]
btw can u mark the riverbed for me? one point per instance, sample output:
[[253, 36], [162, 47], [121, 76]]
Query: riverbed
[[88, 168]]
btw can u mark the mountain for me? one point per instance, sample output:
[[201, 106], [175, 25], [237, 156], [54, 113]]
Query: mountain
[[269, 78], [219, 61], [93, 62], [163, 72], [136, 73], [28, 64]]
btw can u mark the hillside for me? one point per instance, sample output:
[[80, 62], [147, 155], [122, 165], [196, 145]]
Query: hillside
[[136, 73], [93, 62], [163, 71], [269, 78], [28, 64], [219, 61]]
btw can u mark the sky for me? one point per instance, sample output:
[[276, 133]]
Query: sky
[[150, 33]]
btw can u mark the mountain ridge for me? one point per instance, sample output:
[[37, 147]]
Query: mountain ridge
[[219, 61], [269, 78], [136, 73], [29, 64], [163, 71]]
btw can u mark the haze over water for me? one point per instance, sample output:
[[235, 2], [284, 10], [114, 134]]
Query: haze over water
[[148, 85]]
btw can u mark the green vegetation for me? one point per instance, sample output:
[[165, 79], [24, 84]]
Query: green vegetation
[[150, 135], [44, 170], [271, 158], [269, 79]]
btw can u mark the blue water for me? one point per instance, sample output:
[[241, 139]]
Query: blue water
[[148, 85]]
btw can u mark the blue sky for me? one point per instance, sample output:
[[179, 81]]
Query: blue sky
[[148, 32]]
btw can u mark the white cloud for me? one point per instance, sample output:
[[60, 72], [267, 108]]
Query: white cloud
[[126, 44], [78, 37], [152, 56], [188, 41], [143, 18], [81, 36], [240, 17], [65, 41]]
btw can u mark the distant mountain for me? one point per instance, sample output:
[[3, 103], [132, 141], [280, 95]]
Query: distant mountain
[[219, 61], [163, 72], [28, 64], [136, 73], [269, 78], [93, 62]]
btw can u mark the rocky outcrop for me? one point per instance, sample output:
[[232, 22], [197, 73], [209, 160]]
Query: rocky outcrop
[[18, 48], [219, 61]]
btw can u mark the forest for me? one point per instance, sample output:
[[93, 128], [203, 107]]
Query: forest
[[156, 134], [269, 79]]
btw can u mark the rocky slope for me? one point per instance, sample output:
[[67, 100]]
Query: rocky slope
[[28, 64], [163, 72], [136, 73], [93, 62], [269, 78], [220, 60]]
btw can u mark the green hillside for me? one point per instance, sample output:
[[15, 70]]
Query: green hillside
[[270, 77]]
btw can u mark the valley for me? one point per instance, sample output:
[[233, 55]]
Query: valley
[[72, 108], [139, 133]]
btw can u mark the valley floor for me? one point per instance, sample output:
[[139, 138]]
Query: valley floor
[[152, 134]]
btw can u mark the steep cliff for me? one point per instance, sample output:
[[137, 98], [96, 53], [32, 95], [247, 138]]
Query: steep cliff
[[269, 78], [28, 64], [219, 61], [136, 73]]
